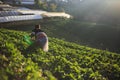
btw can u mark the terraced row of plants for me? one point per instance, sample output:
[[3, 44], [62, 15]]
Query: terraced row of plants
[[64, 61], [13, 63]]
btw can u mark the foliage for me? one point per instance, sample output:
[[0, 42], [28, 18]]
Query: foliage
[[46, 5], [87, 10], [65, 60], [14, 65], [92, 34], [53, 7]]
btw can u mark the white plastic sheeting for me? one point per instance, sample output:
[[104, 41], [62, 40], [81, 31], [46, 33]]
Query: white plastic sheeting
[[19, 18], [45, 13], [22, 11], [56, 14], [8, 13], [30, 3]]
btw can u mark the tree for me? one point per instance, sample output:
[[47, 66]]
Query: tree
[[53, 7]]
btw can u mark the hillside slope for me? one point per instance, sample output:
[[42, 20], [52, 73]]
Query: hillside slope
[[96, 35], [64, 61]]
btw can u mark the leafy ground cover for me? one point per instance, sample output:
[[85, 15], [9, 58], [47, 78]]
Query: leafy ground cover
[[64, 61], [93, 34]]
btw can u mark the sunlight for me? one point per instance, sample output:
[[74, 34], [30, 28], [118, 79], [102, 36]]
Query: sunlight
[[97, 9], [112, 7]]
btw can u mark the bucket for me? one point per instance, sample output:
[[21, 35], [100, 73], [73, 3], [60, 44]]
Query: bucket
[[28, 40]]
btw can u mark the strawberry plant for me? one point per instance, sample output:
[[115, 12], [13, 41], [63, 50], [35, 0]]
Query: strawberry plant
[[63, 61]]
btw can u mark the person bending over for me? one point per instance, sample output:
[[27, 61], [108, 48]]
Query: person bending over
[[41, 38]]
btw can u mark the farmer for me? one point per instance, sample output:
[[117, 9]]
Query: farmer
[[41, 38]]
